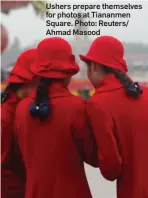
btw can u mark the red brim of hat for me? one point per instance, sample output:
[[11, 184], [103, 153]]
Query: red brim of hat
[[85, 58], [121, 66], [71, 70], [21, 74], [17, 79]]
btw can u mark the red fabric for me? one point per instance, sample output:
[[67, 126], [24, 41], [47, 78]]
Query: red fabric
[[120, 125], [107, 50], [21, 72], [9, 5], [54, 150], [54, 59], [11, 184]]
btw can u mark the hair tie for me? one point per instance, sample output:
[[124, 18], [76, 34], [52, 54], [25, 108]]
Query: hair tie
[[139, 89], [41, 111], [135, 89], [33, 110], [4, 96]]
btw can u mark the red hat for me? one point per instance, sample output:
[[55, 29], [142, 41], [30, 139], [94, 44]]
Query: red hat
[[54, 59], [108, 51], [21, 72]]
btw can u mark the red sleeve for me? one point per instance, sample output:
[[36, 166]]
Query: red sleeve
[[10, 154], [110, 162], [7, 125], [16, 163], [6, 135], [84, 138]]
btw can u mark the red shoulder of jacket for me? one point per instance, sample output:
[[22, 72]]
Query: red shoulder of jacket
[[10, 105]]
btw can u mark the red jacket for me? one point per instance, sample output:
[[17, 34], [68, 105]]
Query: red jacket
[[54, 150], [120, 125], [12, 186]]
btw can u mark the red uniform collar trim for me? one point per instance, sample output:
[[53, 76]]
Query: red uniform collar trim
[[109, 83], [55, 90]]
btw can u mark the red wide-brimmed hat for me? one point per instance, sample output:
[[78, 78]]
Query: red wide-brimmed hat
[[54, 59], [108, 51], [21, 72]]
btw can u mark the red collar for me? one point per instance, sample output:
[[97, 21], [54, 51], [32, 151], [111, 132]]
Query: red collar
[[55, 90], [109, 83]]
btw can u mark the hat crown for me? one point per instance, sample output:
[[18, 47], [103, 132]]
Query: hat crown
[[26, 58], [54, 59], [108, 51], [21, 71], [108, 45], [53, 49]]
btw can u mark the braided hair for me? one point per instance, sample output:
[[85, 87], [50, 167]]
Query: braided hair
[[133, 89], [11, 87], [41, 108]]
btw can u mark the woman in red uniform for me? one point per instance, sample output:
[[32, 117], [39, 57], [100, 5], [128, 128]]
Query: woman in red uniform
[[118, 114], [51, 128], [12, 185]]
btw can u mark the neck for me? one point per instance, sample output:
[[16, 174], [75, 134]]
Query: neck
[[100, 78], [60, 82]]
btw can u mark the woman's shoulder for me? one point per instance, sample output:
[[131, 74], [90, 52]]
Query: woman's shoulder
[[23, 104], [77, 102]]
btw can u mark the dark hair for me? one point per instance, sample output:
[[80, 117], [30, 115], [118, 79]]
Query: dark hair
[[41, 108], [11, 87], [133, 88]]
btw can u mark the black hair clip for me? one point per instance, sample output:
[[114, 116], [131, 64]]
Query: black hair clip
[[42, 110], [132, 88], [33, 110], [135, 89], [139, 89]]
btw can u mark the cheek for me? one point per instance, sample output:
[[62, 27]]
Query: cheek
[[29, 89], [25, 91], [88, 72], [68, 81], [92, 77]]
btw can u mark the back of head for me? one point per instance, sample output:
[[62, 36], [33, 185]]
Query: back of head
[[54, 61], [21, 73], [108, 52]]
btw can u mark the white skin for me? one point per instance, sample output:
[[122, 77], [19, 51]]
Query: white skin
[[95, 73]]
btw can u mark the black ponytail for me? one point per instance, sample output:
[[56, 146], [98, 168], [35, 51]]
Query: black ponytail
[[41, 109], [11, 87], [133, 88]]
